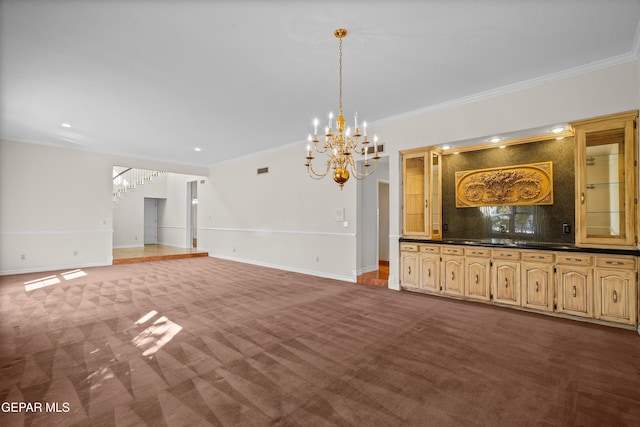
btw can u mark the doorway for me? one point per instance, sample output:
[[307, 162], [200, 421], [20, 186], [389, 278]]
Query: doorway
[[150, 221], [192, 214], [383, 223]]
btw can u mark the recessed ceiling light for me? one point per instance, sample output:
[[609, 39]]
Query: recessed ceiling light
[[495, 139], [557, 129], [446, 147], [66, 125], [503, 146], [198, 149]]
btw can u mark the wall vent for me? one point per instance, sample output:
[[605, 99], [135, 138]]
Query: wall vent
[[263, 170], [371, 149]]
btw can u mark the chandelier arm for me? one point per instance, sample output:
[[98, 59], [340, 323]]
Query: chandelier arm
[[315, 175], [326, 148], [368, 171]]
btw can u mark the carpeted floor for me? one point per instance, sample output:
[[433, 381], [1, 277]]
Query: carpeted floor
[[204, 341]]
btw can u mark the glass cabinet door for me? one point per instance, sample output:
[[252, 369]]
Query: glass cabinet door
[[421, 198], [414, 195], [435, 201], [605, 181]]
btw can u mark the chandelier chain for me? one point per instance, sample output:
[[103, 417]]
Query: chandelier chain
[[340, 76]]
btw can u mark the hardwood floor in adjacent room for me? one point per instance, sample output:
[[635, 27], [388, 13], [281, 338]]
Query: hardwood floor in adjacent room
[[154, 252]]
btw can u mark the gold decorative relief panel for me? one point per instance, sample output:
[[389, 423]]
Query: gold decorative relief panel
[[505, 186]]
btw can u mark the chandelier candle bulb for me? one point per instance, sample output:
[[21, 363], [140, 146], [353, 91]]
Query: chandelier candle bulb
[[315, 127]]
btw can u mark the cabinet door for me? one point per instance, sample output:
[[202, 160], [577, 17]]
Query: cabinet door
[[452, 281], [434, 202], [409, 269], [537, 286], [429, 272], [575, 289], [421, 193], [506, 282], [477, 273], [615, 296], [606, 180], [415, 184]]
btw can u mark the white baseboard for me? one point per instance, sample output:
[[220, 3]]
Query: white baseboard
[[288, 268]]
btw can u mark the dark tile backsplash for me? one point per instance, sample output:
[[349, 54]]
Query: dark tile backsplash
[[542, 224]]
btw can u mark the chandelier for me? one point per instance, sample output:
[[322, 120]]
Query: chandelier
[[342, 145]]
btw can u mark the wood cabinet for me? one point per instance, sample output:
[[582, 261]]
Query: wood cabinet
[[615, 289], [421, 201], [477, 269], [595, 286], [574, 284], [452, 278], [506, 276], [606, 171], [537, 280], [409, 271], [429, 259]]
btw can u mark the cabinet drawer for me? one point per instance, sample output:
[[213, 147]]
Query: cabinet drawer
[[479, 252], [430, 249], [574, 259], [506, 254], [628, 263], [408, 247], [452, 250], [543, 257]]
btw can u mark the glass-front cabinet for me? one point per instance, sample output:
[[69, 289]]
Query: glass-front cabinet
[[606, 174], [421, 199]]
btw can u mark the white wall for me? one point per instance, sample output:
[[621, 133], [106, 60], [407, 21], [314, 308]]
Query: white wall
[[282, 219], [56, 206], [172, 214]]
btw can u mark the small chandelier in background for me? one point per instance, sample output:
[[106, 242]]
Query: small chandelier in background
[[342, 145]]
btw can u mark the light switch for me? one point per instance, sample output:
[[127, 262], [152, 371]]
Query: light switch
[[339, 214]]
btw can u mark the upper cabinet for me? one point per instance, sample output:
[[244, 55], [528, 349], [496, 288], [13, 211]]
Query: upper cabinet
[[421, 201], [606, 194]]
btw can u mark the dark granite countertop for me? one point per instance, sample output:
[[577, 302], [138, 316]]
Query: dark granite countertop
[[523, 244]]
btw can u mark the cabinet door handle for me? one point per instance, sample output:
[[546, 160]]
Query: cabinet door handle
[[429, 273], [536, 286], [582, 198], [574, 259], [409, 269], [476, 278], [615, 296], [452, 276], [537, 257], [506, 282], [613, 262], [573, 292], [426, 203]]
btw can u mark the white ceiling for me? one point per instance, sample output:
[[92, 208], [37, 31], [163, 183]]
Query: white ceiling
[[158, 78]]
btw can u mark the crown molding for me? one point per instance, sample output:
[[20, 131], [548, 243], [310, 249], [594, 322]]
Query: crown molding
[[525, 84]]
